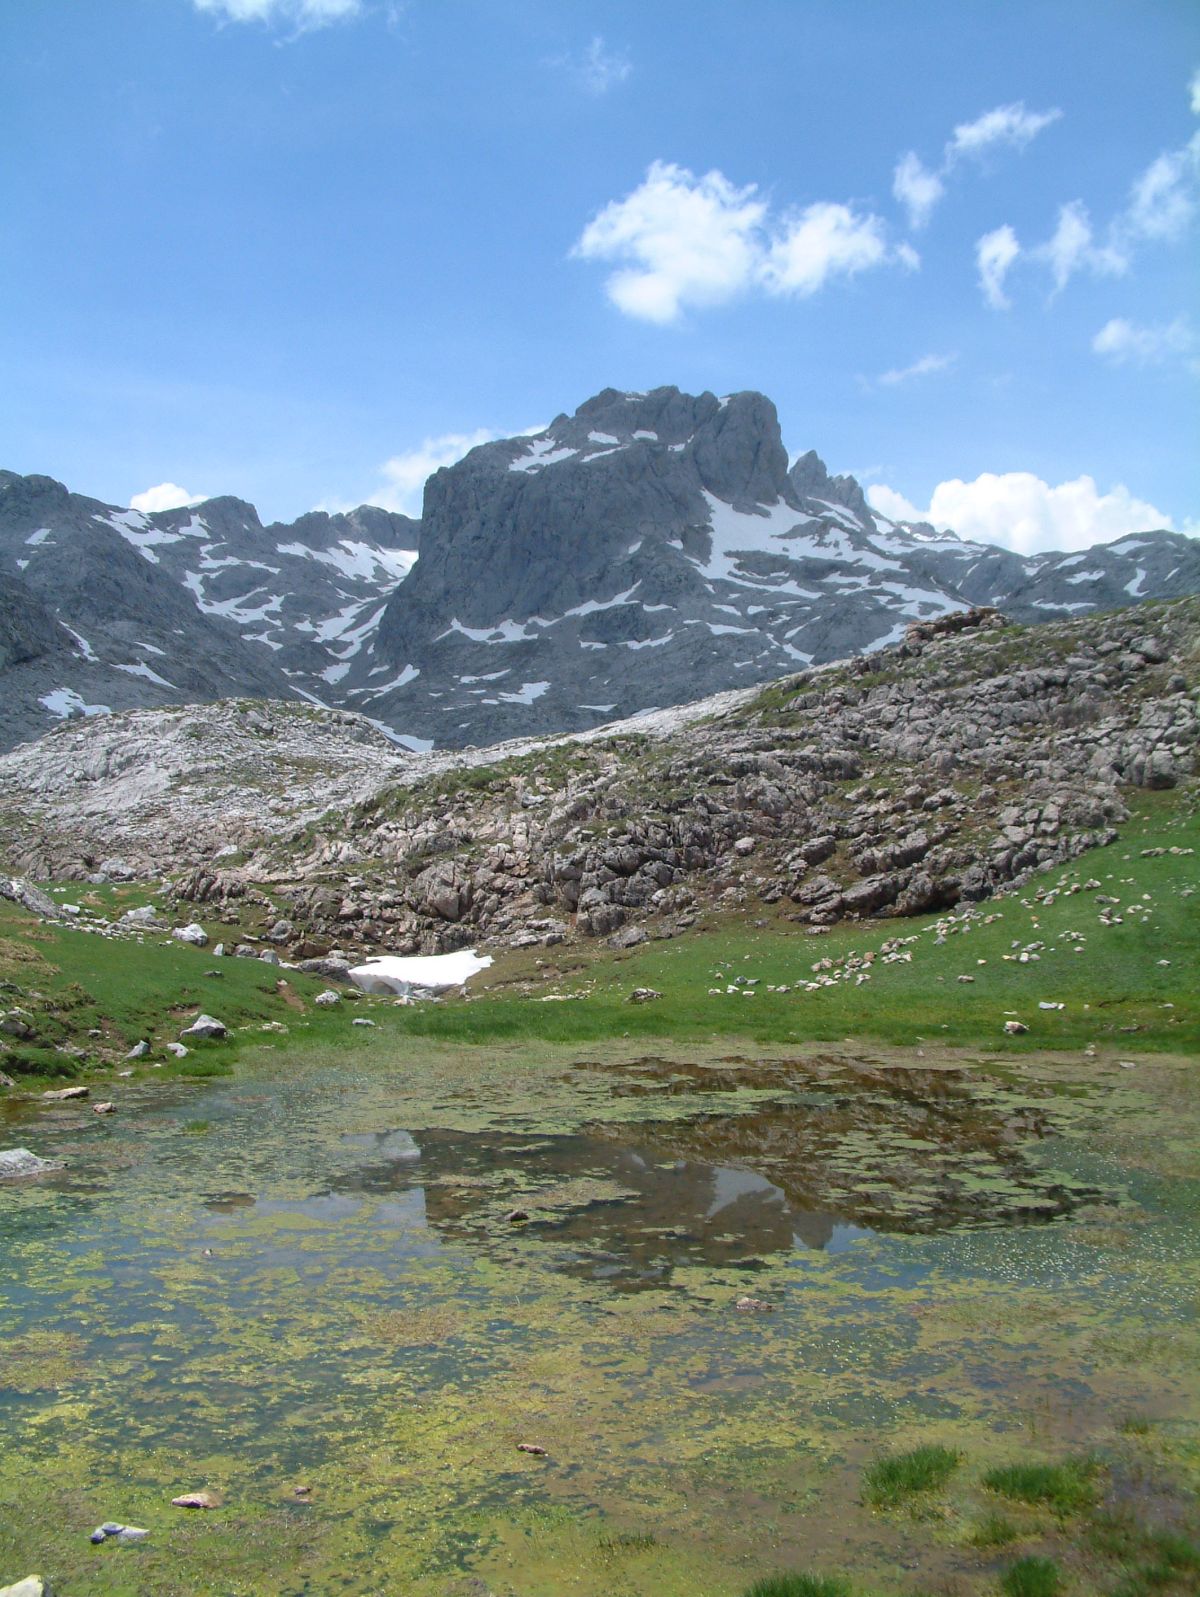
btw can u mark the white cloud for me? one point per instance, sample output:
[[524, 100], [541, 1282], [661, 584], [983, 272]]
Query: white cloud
[[1194, 91], [994, 254], [1125, 342], [1073, 248], [692, 241], [299, 14], [1163, 199], [697, 241], [1019, 511], [917, 188], [1008, 125], [600, 69], [405, 474], [925, 367], [165, 496], [821, 242]]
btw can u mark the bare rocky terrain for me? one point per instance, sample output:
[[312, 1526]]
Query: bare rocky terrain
[[932, 772]]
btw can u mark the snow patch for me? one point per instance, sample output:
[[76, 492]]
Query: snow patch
[[63, 702], [392, 973]]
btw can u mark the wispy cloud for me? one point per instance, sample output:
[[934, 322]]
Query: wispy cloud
[[684, 241], [1194, 91], [919, 188], [1128, 343], [995, 253], [1007, 127], [927, 366], [299, 14], [599, 68], [1017, 510], [165, 496]]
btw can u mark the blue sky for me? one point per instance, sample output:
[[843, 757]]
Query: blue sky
[[303, 250]]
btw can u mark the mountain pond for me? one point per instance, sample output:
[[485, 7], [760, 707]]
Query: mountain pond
[[342, 1294]]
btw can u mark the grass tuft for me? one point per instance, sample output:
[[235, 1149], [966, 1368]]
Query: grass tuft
[[1066, 1488], [1032, 1577], [890, 1480], [993, 1531], [800, 1586]]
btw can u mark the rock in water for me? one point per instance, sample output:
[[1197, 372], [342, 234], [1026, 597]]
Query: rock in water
[[16, 1164], [65, 1094]]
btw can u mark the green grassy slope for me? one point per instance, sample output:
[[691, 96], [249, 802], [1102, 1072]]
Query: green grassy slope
[[1133, 983]]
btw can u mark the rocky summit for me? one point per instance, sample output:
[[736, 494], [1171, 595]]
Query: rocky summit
[[936, 770], [649, 549]]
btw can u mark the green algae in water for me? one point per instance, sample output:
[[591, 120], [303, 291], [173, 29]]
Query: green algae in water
[[325, 1290]]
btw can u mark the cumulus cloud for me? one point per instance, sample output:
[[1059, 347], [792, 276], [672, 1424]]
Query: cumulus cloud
[[995, 253], [165, 496], [917, 188], [404, 475], [301, 14], [690, 241], [1019, 511], [1010, 126], [1127, 343], [925, 367], [821, 242]]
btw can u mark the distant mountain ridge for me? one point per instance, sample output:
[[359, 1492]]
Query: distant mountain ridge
[[647, 550]]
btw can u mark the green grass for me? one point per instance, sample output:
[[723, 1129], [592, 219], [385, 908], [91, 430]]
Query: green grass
[[800, 1586], [1115, 992], [1067, 1488], [74, 983], [1153, 1560], [1032, 1577], [993, 1530], [890, 1480]]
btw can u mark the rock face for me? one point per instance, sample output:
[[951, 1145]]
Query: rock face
[[648, 549], [653, 547], [106, 609]]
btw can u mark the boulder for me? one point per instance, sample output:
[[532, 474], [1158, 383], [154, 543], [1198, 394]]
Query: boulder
[[193, 934], [206, 1028]]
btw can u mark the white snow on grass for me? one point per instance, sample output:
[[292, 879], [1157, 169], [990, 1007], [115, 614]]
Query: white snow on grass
[[142, 670], [393, 973], [65, 701]]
